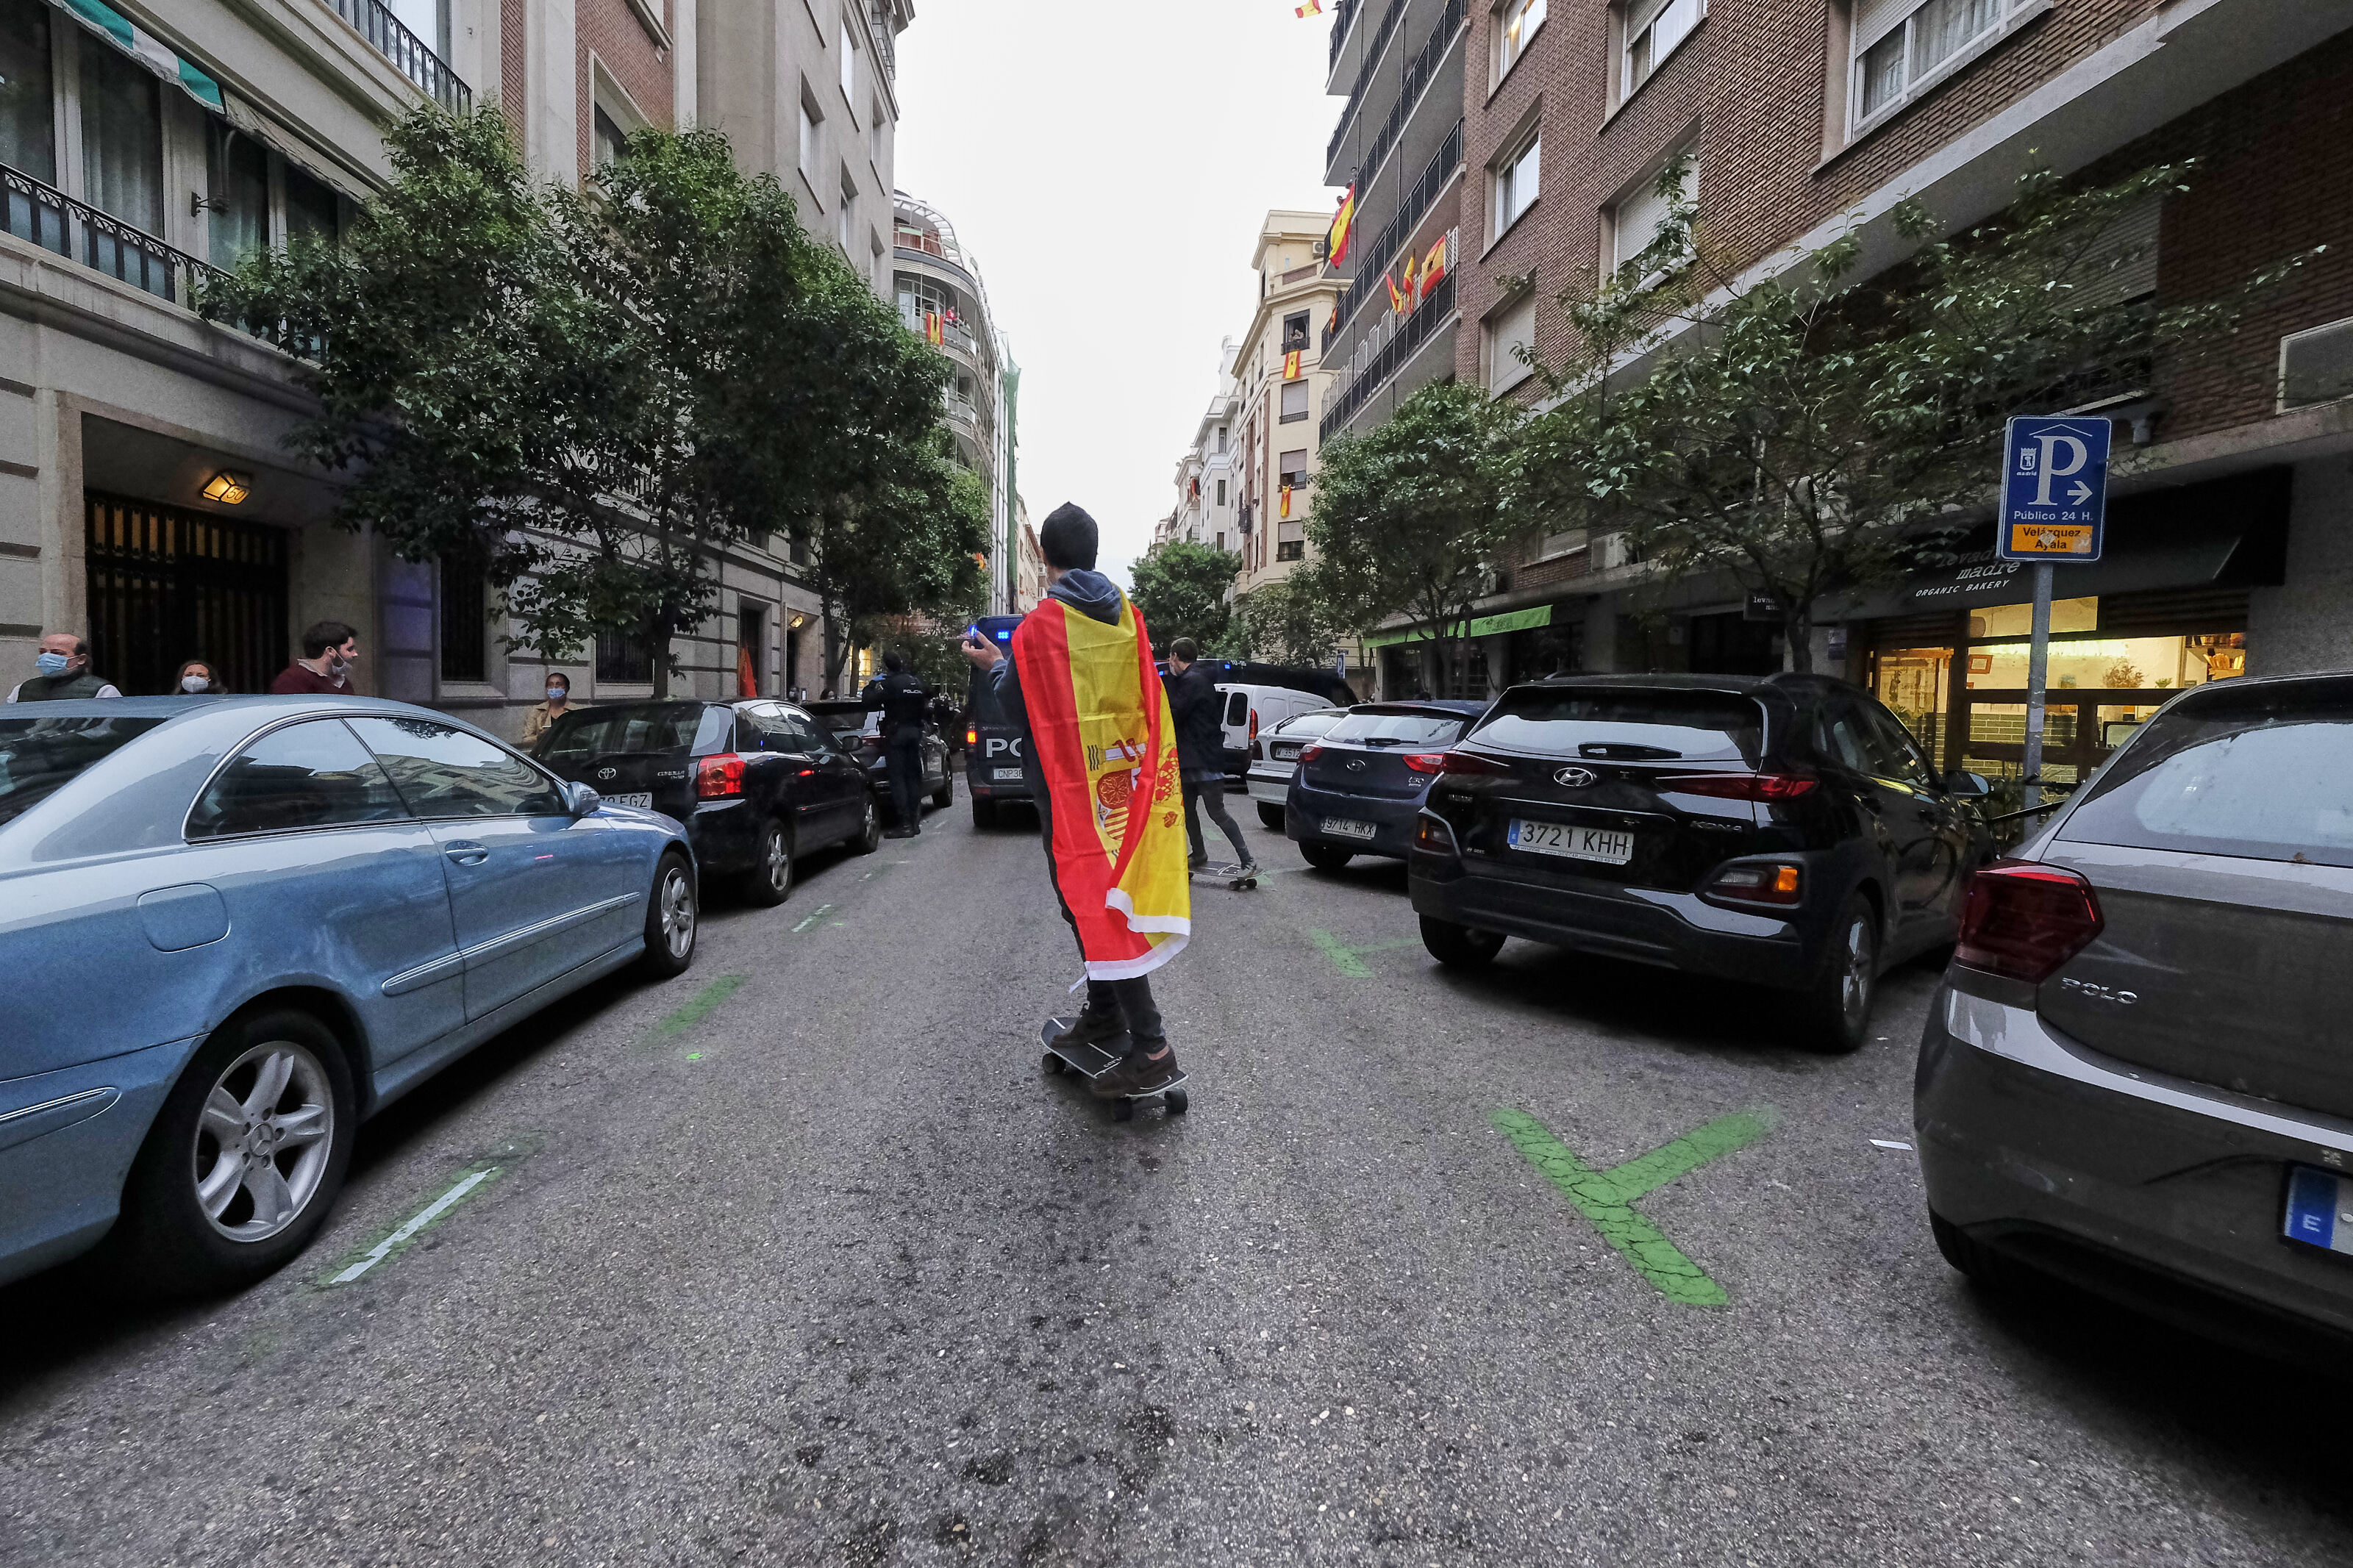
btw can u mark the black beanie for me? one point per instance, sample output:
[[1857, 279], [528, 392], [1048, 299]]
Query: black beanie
[[1068, 539]]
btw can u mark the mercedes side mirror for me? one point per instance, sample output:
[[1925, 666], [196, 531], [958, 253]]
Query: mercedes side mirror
[[580, 800], [1967, 785]]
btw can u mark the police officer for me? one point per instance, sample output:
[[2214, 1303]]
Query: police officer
[[901, 699]]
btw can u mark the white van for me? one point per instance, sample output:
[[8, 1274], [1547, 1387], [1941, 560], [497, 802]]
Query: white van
[[1249, 708]]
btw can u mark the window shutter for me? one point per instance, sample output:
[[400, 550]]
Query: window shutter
[[1874, 19], [1642, 13], [2125, 266]]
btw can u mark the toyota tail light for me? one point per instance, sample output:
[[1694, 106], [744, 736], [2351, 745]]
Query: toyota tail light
[[2024, 919], [1738, 786], [1759, 883], [719, 777]]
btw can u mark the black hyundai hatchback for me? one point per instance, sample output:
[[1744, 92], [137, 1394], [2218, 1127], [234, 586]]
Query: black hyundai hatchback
[[756, 783], [1783, 830]]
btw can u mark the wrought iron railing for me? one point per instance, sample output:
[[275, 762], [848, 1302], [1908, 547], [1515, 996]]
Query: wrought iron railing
[[1436, 308], [1342, 15], [1389, 20], [886, 48], [408, 53], [1417, 73], [1374, 265], [34, 210]]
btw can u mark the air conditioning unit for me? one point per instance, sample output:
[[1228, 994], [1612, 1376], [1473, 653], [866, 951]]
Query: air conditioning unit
[[2315, 365]]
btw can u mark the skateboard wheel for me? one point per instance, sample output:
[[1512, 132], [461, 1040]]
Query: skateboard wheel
[[1180, 1102], [1123, 1110], [1053, 1065]]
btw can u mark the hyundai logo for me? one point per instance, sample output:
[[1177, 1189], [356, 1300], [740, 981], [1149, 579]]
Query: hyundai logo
[[1356, 765], [1575, 778], [608, 773]]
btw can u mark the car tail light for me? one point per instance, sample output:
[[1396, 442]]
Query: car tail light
[[971, 735], [1426, 762], [1430, 832], [1738, 786], [719, 777], [2024, 919], [1466, 763], [1755, 883], [1253, 730], [1310, 754]]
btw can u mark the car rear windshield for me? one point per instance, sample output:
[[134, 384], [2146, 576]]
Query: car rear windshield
[[843, 720], [1631, 723], [1398, 729], [40, 756], [2263, 772], [1307, 726], [655, 728]]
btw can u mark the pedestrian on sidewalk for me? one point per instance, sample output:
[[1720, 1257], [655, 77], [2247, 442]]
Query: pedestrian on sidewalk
[[1099, 753], [1199, 708], [901, 699], [543, 716], [330, 648], [63, 672], [197, 678]]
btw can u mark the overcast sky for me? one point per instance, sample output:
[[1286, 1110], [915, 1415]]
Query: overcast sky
[[1108, 166]]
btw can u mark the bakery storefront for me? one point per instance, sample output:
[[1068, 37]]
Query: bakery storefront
[[2164, 608]]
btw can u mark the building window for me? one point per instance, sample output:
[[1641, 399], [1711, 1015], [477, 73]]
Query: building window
[[623, 659], [1222, 492], [877, 145], [810, 120], [1653, 30], [238, 170], [608, 138], [121, 138], [1515, 22], [848, 64], [1642, 212], [465, 618], [846, 216], [1221, 539], [310, 209], [1292, 467], [1290, 550], [1222, 438], [1516, 182], [29, 139], [1510, 332], [1294, 333], [1295, 401], [1899, 46]]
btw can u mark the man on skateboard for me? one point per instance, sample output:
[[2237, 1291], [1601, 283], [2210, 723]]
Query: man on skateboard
[[1199, 707], [1099, 753]]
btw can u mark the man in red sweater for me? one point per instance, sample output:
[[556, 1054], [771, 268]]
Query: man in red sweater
[[329, 650]]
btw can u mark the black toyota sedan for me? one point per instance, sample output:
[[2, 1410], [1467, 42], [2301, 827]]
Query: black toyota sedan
[[1358, 789], [1783, 830], [858, 729], [756, 783]]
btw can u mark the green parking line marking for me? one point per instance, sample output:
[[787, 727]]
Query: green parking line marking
[[695, 1012], [1605, 1197], [1349, 960], [815, 915]]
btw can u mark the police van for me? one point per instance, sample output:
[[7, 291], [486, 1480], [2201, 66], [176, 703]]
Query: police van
[[992, 748]]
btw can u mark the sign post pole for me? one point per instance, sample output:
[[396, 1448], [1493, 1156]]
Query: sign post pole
[[2038, 676], [2054, 507]]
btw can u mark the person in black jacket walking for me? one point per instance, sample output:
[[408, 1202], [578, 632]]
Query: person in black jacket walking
[[1195, 700], [902, 702]]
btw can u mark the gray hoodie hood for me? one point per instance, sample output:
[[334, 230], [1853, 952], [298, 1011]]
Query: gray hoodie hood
[[1090, 594]]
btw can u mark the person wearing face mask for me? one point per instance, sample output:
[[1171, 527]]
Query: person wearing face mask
[[197, 679], [64, 672], [559, 703], [329, 650]]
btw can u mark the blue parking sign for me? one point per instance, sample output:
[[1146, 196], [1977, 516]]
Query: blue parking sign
[[2054, 489]]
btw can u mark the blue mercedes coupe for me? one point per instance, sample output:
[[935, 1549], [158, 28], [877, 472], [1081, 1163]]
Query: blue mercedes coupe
[[233, 928]]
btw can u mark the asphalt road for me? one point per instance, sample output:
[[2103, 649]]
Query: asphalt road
[[798, 1259]]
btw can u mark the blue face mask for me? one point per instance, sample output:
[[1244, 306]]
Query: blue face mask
[[558, 693], [51, 664]]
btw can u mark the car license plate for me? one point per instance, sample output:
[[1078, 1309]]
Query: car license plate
[[1609, 846], [2319, 1209], [1007, 775], [1342, 827], [645, 801], [1282, 753]]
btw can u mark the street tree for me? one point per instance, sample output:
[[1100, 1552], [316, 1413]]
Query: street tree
[[1291, 620], [1408, 517], [1181, 587], [904, 540], [1808, 434]]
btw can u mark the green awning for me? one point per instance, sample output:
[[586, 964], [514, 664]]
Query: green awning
[[1485, 627], [145, 47]]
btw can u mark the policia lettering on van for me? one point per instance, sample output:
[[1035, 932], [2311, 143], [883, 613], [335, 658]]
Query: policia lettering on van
[[993, 764]]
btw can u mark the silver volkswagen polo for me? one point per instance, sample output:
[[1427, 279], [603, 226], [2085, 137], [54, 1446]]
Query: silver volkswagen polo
[[2138, 1073]]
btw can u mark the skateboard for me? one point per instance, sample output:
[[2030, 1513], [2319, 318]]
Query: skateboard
[[1091, 1062], [1232, 877]]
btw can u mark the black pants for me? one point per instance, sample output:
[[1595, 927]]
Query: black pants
[[1211, 795], [1130, 999], [905, 763]]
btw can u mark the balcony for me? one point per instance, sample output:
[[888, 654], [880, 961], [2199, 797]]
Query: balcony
[[406, 51], [1374, 265], [1435, 310], [41, 212]]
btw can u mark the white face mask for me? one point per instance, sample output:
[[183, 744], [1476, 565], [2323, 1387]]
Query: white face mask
[[194, 683]]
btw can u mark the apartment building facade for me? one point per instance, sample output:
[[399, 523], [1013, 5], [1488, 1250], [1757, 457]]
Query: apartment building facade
[[2231, 542], [1281, 380], [1398, 65], [1206, 510]]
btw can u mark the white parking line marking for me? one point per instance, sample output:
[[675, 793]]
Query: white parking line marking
[[815, 915], [430, 1213]]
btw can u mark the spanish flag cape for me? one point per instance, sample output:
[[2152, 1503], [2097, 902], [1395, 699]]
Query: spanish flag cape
[[1106, 748]]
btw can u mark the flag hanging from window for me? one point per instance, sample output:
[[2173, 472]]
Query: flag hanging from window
[[1342, 222], [1287, 500], [1411, 288], [1433, 266], [934, 329], [1397, 301], [1332, 324], [1313, 8], [1291, 365]]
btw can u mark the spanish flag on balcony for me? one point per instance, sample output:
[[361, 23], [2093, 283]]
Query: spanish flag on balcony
[[1397, 301], [1342, 222], [935, 331], [1287, 500], [1433, 266], [1412, 290], [1291, 365]]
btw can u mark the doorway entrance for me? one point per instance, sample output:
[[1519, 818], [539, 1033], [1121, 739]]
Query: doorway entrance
[[167, 586]]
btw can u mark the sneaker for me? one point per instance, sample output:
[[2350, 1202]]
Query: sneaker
[[1200, 865], [1144, 1070], [1090, 1029], [899, 833]]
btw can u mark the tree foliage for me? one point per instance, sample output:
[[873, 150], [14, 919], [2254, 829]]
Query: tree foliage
[[904, 542], [1181, 588], [597, 391], [1288, 621], [1806, 434], [1407, 517]]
